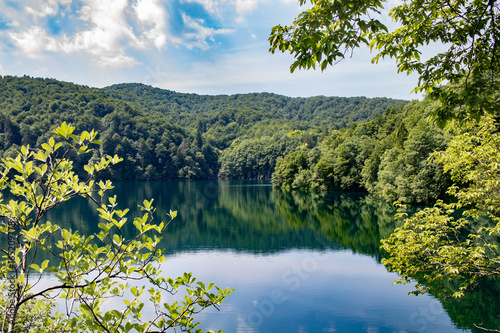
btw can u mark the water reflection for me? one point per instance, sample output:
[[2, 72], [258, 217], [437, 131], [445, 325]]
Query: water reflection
[[299, 261], [254, 218]]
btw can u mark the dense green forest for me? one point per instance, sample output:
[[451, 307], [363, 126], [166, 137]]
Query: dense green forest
[[164, 135], [388, 156], [322, 143], [184, 109]]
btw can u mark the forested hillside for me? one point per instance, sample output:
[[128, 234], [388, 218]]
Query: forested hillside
[[152, 146], [388, 156], [165, 135], [332, 112]]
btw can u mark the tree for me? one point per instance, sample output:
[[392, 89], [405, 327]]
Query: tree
[[456, 242], [287, 168], [86, 270], [330, 30]]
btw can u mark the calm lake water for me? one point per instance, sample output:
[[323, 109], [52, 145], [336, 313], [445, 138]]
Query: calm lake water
[[299, 262]]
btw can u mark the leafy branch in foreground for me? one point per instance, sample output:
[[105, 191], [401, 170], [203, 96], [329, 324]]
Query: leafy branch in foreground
[[88, 272], [466, 32], [459, 241]]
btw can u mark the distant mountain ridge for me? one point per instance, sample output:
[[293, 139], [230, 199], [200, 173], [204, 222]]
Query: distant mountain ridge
[[334, 112]]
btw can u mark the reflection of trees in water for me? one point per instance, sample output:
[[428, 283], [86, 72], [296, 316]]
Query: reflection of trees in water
[[258, 219], [355, 221], [479, 307], [245, 218], [358, 222], [234, 217]]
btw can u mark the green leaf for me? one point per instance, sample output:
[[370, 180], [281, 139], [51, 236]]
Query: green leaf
[[65, 234], [116, 239]]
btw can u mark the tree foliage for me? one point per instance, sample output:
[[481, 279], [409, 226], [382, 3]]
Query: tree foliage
[[388, 157], [255, 156], [448, 242], [87, 270], [248, 109], [456, 241], [330, 30]]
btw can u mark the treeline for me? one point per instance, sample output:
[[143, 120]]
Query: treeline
[[183, 109], [388, 156], [164, 135]]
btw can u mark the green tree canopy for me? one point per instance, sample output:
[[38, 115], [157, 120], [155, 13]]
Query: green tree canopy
[[455, 244], [330, 30], [458, 241]]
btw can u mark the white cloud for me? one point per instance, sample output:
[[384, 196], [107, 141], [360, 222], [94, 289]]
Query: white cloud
[[111, 28], [117, 61], [243, 6], [14, 24], [33, 41], [109, 25], [108, 33], [152, 13], [108, 30], [45, 8], [199, 34]]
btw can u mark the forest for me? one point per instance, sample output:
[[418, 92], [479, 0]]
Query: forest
[[165, 135], [387, 156]]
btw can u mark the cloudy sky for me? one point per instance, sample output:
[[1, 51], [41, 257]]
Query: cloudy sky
[[195, 46]]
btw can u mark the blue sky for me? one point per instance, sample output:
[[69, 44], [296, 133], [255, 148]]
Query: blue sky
[[191, 46]]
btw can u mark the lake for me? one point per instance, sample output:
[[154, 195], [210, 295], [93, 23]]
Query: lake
[[298, 261]]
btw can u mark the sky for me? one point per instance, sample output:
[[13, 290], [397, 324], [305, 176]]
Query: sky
[[189, 46]]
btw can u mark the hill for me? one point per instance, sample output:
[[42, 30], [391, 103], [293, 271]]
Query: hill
[[163, 134], [333, 112]]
